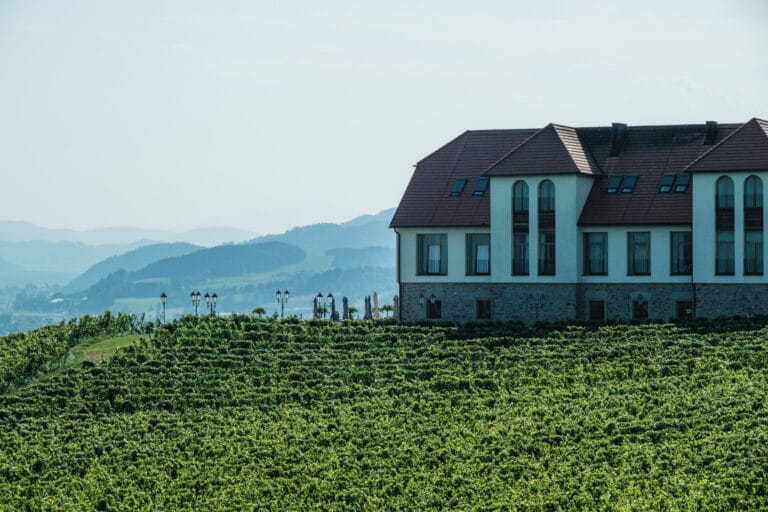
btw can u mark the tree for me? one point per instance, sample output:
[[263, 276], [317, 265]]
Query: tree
[[388, 308], [259, 312], [352, 310]]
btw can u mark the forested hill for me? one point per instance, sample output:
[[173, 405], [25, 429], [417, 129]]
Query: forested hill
[[239, 413], [364, 231], [129, 261]]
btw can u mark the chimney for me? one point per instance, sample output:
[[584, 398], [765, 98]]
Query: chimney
[[618, 137], [711, 133]]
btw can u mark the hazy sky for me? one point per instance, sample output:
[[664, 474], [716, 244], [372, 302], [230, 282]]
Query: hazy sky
[[264, 115]]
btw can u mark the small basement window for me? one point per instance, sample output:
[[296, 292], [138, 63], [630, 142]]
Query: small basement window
[[613, 184], [629, 184], [480, 186], [682, 182], [458, 186], [666, 183]]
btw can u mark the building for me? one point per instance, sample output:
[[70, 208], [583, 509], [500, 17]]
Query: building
[[560, 223]]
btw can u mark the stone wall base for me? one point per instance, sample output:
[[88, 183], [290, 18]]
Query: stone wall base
[[561, 302]]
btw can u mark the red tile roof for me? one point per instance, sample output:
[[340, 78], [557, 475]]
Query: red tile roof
[[555, 149], [746, 149], [427, 202], [648, 152]]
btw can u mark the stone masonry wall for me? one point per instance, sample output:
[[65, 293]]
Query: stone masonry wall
[[556, 302]]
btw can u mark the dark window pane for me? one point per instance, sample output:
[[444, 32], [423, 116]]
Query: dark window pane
[[666, 183], [458, 186], [613, 184], [596, 311], [681, 251], [480, 186], [434, 309], [483, 311], [639, 253], [628, 185], [682, 182]]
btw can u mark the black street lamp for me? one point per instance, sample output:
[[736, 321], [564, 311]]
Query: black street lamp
[[332, 305], [282, 299], [214, 300], [163, 298], [196, 297]]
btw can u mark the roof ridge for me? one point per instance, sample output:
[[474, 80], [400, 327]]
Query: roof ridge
[[512, 150], [725, 139]]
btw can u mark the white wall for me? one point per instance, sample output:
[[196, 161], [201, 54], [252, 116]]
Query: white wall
[[704, 227], [571, 193], [456, 238], [617, 255]]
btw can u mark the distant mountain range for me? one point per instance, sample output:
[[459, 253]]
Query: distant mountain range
[[19, 231], [351, 259]]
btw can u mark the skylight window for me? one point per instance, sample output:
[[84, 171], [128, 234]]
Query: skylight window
[[628, 186], [682, 182], [666, 183], [613, 184], [458, 186], [480, 186]]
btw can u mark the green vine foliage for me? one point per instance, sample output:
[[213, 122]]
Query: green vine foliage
[[241, 413]]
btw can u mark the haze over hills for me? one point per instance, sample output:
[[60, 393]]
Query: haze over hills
[[19, 231], [353, 259], [129, 261]]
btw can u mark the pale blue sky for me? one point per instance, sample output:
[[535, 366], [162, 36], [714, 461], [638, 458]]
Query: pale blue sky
[[264, 115]]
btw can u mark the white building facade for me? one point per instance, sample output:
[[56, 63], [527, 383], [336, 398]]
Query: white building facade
[[606, 223]]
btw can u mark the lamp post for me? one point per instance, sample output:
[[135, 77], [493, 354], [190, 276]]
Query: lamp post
[[196, 297], [332, 305], [210, 303], [163, 298], [319, 307], [282, 299]]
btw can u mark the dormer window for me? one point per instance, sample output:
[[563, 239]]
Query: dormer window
[[682, 182], [666, 183], [458, 186], [613, 184], [480, 186], [628, 185]]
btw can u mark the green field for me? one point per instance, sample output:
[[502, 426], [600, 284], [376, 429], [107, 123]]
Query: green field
[[242, 414]]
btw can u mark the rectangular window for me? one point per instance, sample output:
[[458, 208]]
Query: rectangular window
[[480, 186], [434, 309], [681, 253], [682, 182], [640, 308], [683, 310], [753, 253], [613, 184], [483, 310], [597, 311], [628, 186], [478, 254], [666, 183], [595, 254], [724, 254], [458, 186], [432, 254], [546, 254], [639, 253], [520, 254]]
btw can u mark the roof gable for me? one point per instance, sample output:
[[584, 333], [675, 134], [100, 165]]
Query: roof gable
[[746, 149], [555, 149]]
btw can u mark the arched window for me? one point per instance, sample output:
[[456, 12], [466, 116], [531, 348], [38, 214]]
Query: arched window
[[753, 192], [546, 228], [520, 196], [724, 226], [520, 225], [724, 193], [546, 196], [753, 226]]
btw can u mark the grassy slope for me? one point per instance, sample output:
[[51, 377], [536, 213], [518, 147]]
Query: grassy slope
[[217, 413], [98, 349]]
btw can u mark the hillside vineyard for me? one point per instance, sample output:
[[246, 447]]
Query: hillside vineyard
[[241, 414]]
